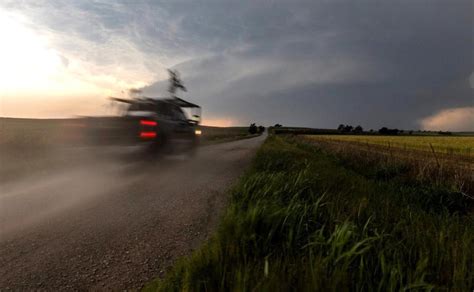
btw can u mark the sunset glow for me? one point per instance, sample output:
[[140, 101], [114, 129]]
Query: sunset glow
[[36, 80], [220, 122], [27, 62]]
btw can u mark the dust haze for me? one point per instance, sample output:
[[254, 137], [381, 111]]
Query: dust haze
[[34, 195], [82, 216]]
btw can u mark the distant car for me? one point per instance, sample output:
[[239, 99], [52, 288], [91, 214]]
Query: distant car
[[159, 124]]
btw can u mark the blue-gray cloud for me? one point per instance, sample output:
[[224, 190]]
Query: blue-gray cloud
[[319, 64], [308, 63]]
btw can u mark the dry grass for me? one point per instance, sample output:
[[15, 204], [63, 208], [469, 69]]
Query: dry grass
[[457, 145], [453, 170]]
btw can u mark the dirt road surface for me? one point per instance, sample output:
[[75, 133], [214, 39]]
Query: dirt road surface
[[112, 223]]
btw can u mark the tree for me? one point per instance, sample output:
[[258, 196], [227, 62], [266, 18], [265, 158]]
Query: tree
[[383, 131], [253, 128], [358, 129], [175, 83], [261, 129], [340, 128], [277, 126], [386, 131], [347, 129]]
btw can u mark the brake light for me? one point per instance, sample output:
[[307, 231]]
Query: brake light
[[147, 135], [148, 123]]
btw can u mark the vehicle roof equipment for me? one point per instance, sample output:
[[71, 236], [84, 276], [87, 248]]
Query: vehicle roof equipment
[[195, 109]]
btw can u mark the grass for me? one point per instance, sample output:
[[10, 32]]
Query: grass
[[303, 219], [406, 165], [442, 144]]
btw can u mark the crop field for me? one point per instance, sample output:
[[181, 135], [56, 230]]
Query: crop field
[[423, 158], [307, 218], [461, 145]]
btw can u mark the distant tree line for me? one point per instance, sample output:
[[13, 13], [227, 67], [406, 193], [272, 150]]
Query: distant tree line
[[387, 131], [359, 130], [254, 129], [350, 129], [342, 129]]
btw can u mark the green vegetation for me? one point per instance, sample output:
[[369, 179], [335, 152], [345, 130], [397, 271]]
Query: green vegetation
[[303, 219], [442, 144]]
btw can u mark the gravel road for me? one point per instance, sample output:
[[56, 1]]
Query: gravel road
[[112, 223]]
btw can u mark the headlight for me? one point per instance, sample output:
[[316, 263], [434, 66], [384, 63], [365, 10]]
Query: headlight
[[197, 132]]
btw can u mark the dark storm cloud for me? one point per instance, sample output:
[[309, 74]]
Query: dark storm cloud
[[308, 63], [319, 64]]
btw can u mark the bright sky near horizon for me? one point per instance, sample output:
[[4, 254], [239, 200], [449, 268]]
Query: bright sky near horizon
[[37, 80], [401, 64]]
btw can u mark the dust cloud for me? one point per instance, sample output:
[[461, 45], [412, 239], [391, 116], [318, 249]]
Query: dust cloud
[[51, 182]]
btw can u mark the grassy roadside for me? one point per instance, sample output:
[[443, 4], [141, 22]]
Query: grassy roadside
[[301, 219]]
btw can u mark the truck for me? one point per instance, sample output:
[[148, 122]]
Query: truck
[[160, 125]]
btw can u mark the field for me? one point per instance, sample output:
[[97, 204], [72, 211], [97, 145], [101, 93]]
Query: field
[[434, 160], [305, 218], [325, 212], [31, 145], [33, 136], [48, 132], [462, 145]]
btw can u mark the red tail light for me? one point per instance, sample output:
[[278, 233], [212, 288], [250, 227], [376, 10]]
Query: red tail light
[[148, 123], [147, 135]]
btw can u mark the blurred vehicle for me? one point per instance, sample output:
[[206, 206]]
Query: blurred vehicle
[[161, 125]]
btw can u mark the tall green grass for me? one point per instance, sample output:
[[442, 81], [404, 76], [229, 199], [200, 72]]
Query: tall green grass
[[300, 220]]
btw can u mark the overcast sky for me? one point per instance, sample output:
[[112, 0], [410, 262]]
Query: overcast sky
[[406, 64]]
